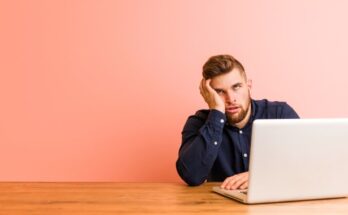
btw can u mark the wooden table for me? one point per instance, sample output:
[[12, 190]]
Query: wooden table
[[141, 198]]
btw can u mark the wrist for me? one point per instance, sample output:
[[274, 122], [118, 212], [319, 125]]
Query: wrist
[[222, 110]]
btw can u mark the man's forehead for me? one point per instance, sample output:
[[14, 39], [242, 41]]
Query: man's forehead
[[230, 78]]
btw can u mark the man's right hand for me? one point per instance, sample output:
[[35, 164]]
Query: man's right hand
[[211, 97]]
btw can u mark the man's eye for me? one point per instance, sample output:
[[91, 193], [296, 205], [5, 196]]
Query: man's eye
[[237, 87], [219, 91]]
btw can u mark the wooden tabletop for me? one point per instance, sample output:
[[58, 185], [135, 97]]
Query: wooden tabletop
[[141, 198]]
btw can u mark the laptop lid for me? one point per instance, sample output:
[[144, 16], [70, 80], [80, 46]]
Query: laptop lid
[[298, 159]]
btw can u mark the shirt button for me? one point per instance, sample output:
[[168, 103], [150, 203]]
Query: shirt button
[[222, 120], [215, 143], [245, 155], [240, 131]]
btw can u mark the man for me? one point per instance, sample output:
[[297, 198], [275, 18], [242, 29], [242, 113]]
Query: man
[[216, 142]]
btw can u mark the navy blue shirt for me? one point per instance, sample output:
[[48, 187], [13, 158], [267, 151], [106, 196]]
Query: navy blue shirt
[[213, 150]]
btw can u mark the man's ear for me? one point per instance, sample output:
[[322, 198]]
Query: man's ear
[[249, 83]]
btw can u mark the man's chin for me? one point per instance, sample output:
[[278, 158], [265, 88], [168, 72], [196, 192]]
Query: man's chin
[[235, 118]]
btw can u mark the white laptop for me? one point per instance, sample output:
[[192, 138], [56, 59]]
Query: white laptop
[[296, 159]]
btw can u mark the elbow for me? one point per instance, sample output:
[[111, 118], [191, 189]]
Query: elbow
[[189, 177], [194, 181]]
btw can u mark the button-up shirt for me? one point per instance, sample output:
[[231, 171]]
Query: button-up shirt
[[212, 149]]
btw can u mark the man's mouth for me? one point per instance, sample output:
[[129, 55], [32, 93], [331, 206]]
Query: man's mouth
[[232, 109]]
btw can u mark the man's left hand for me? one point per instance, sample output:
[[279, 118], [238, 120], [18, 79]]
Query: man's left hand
[[238, 181]]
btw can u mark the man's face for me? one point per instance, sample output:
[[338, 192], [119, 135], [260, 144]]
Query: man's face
[[234, 90]]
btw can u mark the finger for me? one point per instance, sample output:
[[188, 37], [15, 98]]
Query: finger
[[231, 185], [232, 181], [240, 182], [203, 84], [228, 183], [235, 184], [223, 185], [201, 87], [207, 85], [245, 185]]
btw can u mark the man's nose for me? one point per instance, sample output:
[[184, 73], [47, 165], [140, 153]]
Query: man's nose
[[230, 97]]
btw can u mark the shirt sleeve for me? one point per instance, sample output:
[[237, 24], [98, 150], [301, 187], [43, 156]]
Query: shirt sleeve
[[201, 140]]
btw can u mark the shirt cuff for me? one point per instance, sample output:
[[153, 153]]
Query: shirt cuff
[[216, 117]]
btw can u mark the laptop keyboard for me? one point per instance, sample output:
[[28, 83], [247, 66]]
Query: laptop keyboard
[[244, 192]]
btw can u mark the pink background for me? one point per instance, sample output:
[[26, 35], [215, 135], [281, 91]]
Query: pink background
[[100, 90]]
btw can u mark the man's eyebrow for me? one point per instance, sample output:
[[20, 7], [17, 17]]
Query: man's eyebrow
[[217, 89], [236, 84]]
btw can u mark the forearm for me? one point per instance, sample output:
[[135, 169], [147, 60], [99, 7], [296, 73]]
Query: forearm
[[194, 163], [199, 148]]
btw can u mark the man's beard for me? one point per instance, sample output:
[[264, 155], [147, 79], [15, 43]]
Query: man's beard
[[236, 118]]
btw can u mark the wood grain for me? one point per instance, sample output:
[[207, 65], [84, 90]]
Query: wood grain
[[141, 198]]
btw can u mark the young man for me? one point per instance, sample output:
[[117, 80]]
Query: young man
[[216, 142]]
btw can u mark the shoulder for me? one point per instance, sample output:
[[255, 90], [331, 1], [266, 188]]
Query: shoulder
[[203, 113], [213, 117], [267, 103], [274, 109], [196, 120], [200, 115]]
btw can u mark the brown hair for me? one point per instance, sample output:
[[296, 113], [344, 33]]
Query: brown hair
[[221, 64]]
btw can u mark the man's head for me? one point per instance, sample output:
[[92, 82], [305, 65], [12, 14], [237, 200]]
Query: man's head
[[229, 80], [221, 64]]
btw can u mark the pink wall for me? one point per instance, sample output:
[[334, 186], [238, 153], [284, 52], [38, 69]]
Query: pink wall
[[100, 90]]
